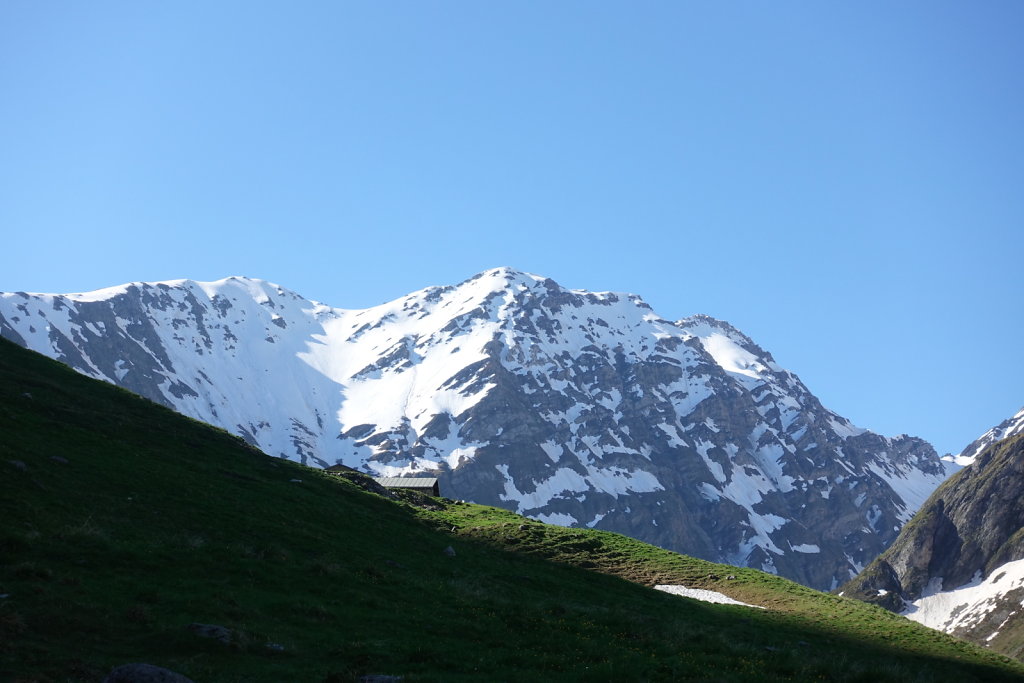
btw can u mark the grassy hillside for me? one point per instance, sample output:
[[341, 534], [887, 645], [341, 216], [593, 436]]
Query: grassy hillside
[[121, 523]]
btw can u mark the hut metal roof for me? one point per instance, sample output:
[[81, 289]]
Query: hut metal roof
[[406, 482]]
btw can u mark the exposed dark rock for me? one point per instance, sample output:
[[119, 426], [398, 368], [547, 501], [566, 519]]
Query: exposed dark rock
[[362, 480], [221, 634]]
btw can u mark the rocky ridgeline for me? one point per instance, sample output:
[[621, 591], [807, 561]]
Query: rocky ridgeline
[[577, 408]]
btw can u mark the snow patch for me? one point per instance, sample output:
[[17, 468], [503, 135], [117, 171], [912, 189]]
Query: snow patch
[[458, 456], [732, 357], [967, 605], [611, 480], [556, 518], [709, 492], [806, 548], [702, 595], [552, 450], [913, 486]]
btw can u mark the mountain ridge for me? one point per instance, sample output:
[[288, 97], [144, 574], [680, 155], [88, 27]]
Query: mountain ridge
[[574, 407]]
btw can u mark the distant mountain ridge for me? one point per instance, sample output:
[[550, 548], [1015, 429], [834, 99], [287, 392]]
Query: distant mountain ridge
[[1005, 429], [573, 407]]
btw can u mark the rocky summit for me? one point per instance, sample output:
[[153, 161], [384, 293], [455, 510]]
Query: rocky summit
[[578, 408], [958, 566]]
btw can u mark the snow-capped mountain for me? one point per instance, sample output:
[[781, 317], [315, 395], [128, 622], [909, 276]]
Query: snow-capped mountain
[[958, 566], [1005, 429], [573, 407]]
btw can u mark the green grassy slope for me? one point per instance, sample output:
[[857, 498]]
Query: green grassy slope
[[122, 522]]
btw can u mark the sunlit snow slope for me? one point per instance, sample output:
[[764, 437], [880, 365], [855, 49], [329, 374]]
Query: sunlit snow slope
[[576, 408]]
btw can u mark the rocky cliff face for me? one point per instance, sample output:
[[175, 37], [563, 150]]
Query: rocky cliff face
[[574, 407], [958, 565]]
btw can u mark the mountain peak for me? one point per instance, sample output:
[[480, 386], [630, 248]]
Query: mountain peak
[[502, 277], [701, 325]]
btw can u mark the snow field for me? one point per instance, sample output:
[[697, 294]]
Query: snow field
[[966, 605]]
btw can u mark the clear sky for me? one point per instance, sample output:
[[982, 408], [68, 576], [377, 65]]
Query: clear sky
[[843, 181]]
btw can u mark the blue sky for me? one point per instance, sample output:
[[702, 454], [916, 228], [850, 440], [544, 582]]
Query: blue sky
[[842, 181]]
